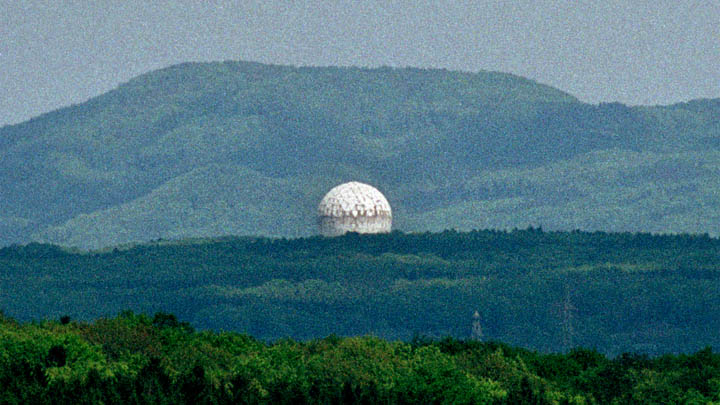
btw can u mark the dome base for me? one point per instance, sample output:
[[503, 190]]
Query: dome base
[[336, 226]]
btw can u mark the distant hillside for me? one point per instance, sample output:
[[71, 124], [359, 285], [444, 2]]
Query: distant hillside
[[249, 149], [547, 291]]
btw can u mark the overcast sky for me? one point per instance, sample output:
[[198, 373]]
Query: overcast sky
[[56, 53]]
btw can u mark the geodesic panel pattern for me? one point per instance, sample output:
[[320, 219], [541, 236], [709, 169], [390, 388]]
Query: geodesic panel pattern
[[354, 207]]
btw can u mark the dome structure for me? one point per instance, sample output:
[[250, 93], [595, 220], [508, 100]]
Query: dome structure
[[354, 207]]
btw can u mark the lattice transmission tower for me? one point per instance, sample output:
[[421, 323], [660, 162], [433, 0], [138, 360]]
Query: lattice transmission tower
[[476, 333]]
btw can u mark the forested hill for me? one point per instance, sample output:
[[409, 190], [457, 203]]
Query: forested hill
[[249, 149], [548, 291]]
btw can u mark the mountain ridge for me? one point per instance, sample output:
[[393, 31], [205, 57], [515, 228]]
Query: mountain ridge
[[423, 136]]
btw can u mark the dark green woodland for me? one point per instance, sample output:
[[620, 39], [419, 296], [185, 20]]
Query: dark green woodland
[[236, 148], [546, 291]]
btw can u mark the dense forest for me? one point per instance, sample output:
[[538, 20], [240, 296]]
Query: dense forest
[[546, 291], [134, 359], [236, 148]]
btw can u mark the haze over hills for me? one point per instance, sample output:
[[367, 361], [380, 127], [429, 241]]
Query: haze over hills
[[249, 149]]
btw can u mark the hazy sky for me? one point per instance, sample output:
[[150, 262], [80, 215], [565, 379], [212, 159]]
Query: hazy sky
[[56, 53]]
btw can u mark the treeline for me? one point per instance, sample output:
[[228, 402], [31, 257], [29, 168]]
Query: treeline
[[548, 291], [160, 360]]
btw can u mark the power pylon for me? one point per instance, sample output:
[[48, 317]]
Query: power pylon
[[568, 316], [476, 333]]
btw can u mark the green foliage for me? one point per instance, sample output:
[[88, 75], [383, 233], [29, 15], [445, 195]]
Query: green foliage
[[227, 368], [249, 149]]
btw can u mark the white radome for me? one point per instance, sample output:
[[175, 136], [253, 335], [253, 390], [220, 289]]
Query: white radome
[[354, 207]]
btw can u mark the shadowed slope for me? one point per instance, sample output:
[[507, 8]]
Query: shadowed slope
[[104, 172]]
